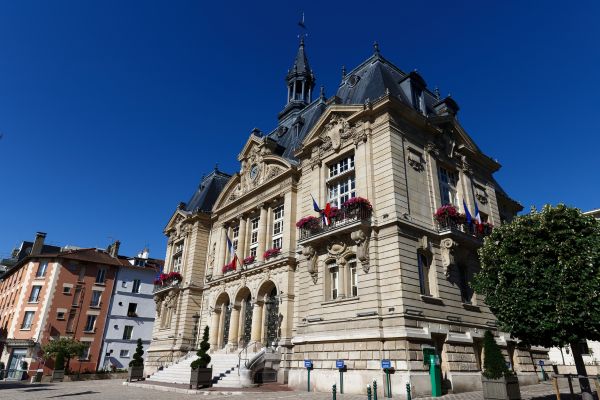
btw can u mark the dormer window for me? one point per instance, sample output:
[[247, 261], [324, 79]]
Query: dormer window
[[418, 100]]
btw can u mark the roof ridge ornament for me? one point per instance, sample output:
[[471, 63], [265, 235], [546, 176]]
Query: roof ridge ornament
[[376, 48]]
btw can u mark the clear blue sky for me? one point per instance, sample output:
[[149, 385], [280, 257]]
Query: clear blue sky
[[111, 111]]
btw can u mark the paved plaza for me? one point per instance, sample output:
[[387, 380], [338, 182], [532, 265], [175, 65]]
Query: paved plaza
[[114, 389]]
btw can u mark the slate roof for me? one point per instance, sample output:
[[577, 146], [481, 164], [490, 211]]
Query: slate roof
[[209, 189]]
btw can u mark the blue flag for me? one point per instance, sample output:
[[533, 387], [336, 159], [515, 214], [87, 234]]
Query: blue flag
[[467, 213], [315, 205]]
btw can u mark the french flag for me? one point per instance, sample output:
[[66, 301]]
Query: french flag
[[478, 218], [324, 213], [231, 251], [467, 213]]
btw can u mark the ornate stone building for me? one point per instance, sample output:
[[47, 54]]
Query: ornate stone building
[[381, 279]]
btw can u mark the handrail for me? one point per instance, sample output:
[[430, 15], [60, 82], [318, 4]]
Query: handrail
[[245, 349]]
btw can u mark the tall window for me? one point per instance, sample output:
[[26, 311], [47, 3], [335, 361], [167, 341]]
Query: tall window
[[84, 354], [177, 258], [353, 277], [423, 267], [127, 332], [41, 271], [27, 320], [35, 294], [466, 293], [76, 296], [71, 321], [277, 227], [448, 182], [335, 281], [101, 275], [136, 286], [95, 301], [254, 236], [341, 184], [235, 234], [81, 273], [90, 323]]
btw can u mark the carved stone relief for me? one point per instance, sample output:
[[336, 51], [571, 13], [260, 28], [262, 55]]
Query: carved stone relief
[[448, 247], [361, 238], [415, 160], [311, 256]]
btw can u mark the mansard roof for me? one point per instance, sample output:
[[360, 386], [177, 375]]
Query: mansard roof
[[209, 189]]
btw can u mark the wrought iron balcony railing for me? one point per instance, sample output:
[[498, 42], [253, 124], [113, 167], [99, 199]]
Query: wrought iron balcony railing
[[342, 218], [165, 286], [452, 225]]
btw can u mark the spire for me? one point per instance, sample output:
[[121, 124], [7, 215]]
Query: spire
[[300, 82]]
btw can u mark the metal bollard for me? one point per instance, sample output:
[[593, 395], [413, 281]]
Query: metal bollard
[[368, 392], [408, 391], [374, 389], [333, 391]]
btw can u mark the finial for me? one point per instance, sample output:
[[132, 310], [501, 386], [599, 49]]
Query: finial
[[376, 47], [449, 94], [216, 167], [343, 71], [387, 91], [322, 93], [436, 92], [302, 41]]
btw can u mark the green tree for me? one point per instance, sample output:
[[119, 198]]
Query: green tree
[[63, 348], [494, 366], [540, 276], [203, 358], [138, 361]]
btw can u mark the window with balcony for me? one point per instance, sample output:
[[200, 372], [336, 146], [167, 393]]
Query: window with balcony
[[254, 236], [27, 320], [448, 182], [177, 259], [34, 296], [101, 276], [127, 332], [136, 286], [277, 236], [341, 184], [90, 323], [41, 271], [95, 301]]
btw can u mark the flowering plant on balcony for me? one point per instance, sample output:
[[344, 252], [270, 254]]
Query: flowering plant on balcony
[[249, 260], [164, 279], [229, 267], [275, 251], [447, 212], [309, 222], [357, 203]]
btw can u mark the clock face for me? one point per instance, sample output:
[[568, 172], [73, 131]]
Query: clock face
[[253, 171]]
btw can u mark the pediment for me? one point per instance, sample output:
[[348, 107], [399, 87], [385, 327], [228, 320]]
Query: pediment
[[333, 127], [176, 220]]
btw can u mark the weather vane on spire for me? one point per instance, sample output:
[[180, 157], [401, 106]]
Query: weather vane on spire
[[302, 26]]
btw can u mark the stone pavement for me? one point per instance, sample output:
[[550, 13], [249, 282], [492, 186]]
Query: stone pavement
[[114, 389]]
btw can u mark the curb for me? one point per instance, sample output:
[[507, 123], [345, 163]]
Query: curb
[[180, 390]]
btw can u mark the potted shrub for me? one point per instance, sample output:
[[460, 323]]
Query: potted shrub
[[498, 382], [136, 366], [201, 374]]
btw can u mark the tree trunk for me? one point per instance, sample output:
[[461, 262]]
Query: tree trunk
[[584, 383]]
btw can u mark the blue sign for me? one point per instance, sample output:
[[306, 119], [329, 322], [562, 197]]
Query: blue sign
[[386, 364], [339, 364], [307, 363], [541, 363]]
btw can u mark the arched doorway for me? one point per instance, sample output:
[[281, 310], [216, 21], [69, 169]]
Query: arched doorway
[[247, 325], [226, 321]]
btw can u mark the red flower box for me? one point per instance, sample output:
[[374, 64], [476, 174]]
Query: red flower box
[[249, 260], [229, 267], [309, 222], [271, 253], [356, 203]]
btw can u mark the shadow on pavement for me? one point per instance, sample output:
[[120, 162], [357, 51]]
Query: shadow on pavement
[[73, 394]]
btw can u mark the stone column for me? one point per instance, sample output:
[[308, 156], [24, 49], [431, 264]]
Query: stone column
[[242, 236], [286, 310], [343, 280], [222, 246], [214, 329], [221, 326], [257, 323], [262, 232], [234, 321]]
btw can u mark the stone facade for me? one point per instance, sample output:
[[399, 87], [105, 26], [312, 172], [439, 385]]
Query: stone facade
[[382, 279]]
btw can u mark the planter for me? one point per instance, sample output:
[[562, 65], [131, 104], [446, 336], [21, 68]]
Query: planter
[[58, 375], [201, 377], [135, 373], [501, 389]]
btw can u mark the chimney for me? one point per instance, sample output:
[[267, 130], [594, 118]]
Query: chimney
[[38, 244], [113, 249]]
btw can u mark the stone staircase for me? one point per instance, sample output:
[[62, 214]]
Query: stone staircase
[[224, 366]]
